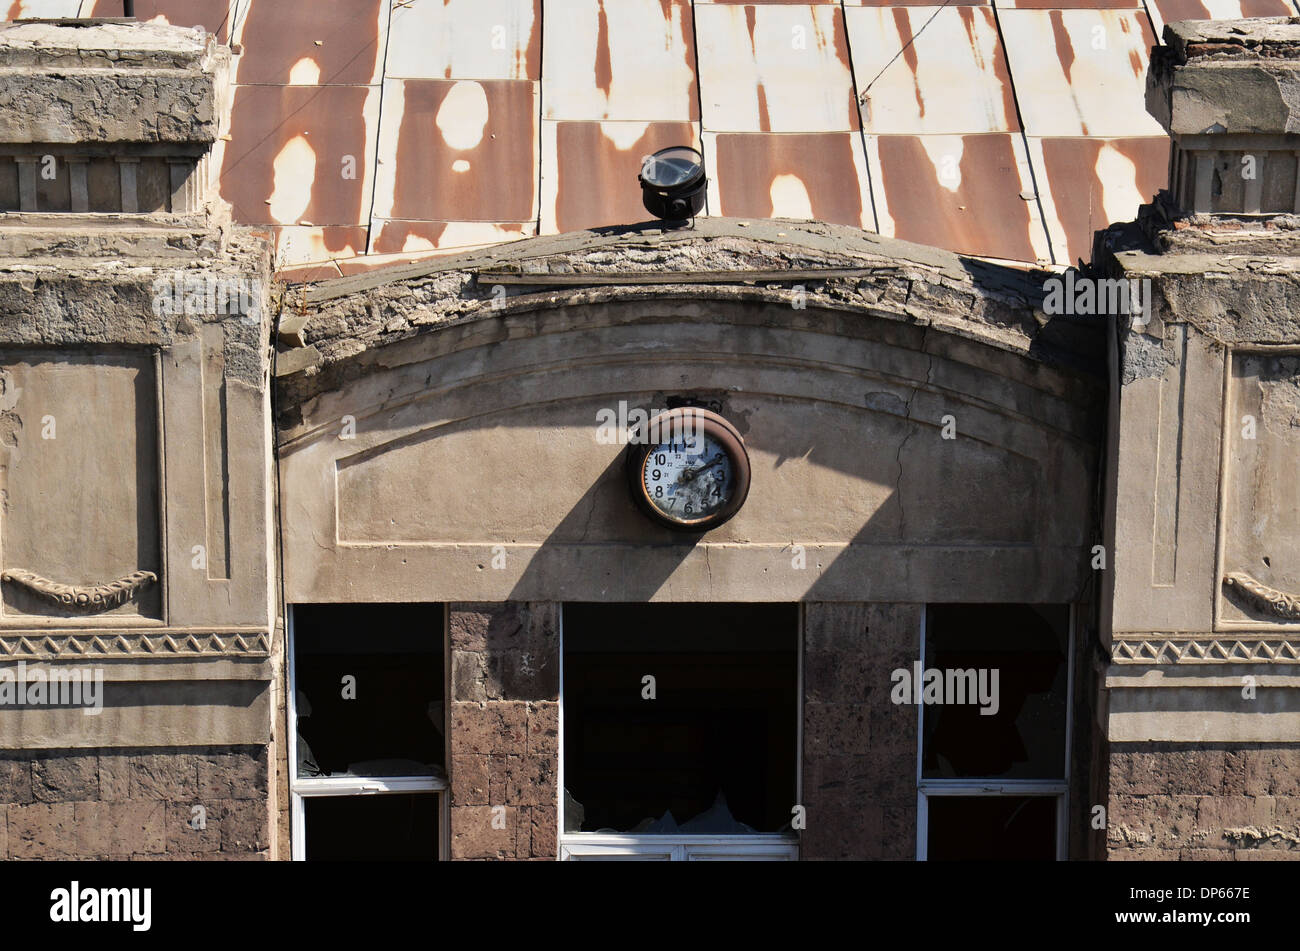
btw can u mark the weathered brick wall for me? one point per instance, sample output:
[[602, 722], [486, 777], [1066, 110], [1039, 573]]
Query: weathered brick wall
[[1220, 802], [859, 749], [505, 684], [134, 803]]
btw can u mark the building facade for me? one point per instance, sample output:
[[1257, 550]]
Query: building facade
[[997, 561]]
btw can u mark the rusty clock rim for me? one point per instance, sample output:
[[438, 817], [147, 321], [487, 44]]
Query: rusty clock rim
[[721, 429]]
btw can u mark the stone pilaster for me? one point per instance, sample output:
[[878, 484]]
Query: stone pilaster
[[1201, 602], [505, 681], [859, 749]]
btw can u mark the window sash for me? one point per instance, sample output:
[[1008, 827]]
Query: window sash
[[301, 788], [576, 846]]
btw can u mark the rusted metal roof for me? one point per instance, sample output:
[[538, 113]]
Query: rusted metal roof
[[1170, 11], [373, 132], [301, 155], [952, 78], [619, 59], [457, 163], [971, 193], [818, 175], [302, 43], [1092, 182], [32, 9], [775, 68], [1080, 72], [213, 15], [475, 39], [589, 170]]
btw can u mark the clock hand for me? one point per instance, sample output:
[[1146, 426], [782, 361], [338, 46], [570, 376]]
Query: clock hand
[[691, 475]]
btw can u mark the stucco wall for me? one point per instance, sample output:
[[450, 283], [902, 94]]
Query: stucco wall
[[467, 463]]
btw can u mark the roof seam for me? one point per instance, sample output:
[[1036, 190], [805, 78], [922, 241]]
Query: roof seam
[[379, 126], [1024, 137], [862, 126]]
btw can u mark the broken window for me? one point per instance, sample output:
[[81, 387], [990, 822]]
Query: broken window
[[680, 719], [1014, 724], [994, 687], [369, 689], [367, 692]]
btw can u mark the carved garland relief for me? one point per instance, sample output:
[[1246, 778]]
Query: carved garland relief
[[91, 599]]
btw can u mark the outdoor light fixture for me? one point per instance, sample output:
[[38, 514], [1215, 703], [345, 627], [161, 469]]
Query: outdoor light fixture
[[672, 183]]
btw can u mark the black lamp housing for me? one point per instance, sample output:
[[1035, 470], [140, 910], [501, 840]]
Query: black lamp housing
[[673, 183]]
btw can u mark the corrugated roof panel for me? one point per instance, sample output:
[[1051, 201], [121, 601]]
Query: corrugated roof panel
[[43, 9], [458, 151], [821, 176], [308, 43], [952, 78], [465, 39], [1171, 11], [308, 273], [775, 69], [213, 15], [849, 4], [1086, 184], [1068, 4], [455, 163], [589, 170], [396, 236], [295, 246], [1080, 72], [301, 155], [619, 59], [967, 193]]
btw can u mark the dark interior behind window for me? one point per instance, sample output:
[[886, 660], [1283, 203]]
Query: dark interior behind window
[[394, 725], [1028, 646], [714, 752]]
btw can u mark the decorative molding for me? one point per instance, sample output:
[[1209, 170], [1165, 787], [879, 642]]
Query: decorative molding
[[1262, 598], [1205, 650], [133, 644], [88, 598]]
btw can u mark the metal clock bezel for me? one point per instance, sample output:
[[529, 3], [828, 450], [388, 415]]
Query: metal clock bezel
[[669, 425]]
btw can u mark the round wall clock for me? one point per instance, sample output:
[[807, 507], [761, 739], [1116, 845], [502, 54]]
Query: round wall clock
[[688, 469]]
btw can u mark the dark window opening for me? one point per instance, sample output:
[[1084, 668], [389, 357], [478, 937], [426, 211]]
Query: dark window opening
[[389, 827], [1028, 647], [369, 695], [991, 827], [715, 751]]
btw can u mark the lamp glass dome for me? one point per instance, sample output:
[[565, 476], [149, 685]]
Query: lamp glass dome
[[672, 167]]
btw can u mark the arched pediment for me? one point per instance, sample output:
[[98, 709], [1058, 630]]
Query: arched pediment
[[908, 431], [331, 331]]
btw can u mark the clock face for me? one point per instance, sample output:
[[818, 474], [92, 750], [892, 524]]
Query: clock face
[[689, 479], [692, 473]]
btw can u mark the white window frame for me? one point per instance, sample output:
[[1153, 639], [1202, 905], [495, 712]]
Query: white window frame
[[765, 846], [323, 786], [678, 848], [1058, 788]]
